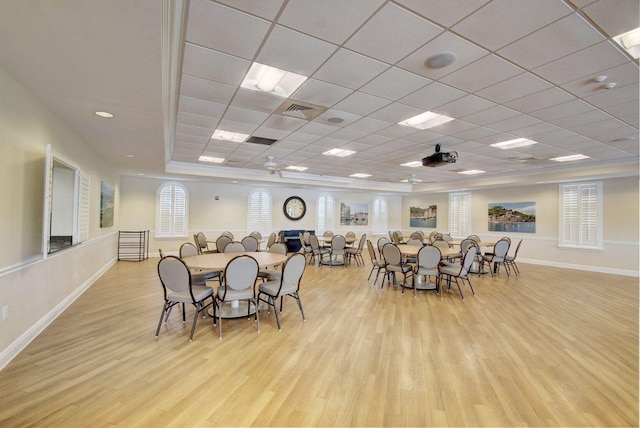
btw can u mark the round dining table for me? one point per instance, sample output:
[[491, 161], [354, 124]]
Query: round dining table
[[219, 261]]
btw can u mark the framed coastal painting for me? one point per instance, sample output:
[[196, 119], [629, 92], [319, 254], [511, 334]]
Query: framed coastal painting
[[426, 217], [518, 217], [354, 214], [106, 204]]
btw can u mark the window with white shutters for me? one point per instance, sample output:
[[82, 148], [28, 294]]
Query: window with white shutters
[[172, 210], [460, 214], [325, 218], [380, 216], [581, 215], [259, 215]]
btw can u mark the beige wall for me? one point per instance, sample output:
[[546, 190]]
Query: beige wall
[[620, 228], [35, 289]]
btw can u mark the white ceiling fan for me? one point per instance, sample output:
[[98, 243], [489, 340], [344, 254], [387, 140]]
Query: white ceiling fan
[[412, 180], [274, 167]]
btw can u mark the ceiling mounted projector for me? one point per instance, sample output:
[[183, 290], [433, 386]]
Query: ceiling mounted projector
[[440, 158]]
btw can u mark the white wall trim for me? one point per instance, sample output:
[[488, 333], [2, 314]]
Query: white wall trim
[[18, 345], [587, 268]]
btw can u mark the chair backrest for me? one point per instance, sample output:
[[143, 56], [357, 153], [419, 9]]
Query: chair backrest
[[174, 274], [507, 239], [292, 270], [440, 243], [256, 235], [305, 237], [271, 240], [421, 233], [392, 254], [416, 236], [447, 237], [501, 248], [234, 247], [227, 233], [313, 241], [381, 243], [222, 242], [413, 241], [466, 243], [434, 237], [395, 238], [162, 252], [400, 236], [515, 254], [241, 272], [363, 239], [250, 243], [188, 249], [350, 235], [278, 248], [338, 242], [469, 257], [474, 237], [429, 257], [372, 252], [201, 242], [328, 234]]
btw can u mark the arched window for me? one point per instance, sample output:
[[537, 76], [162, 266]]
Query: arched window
[[380, 216], [259, 215], [172, 210], [325, 217]]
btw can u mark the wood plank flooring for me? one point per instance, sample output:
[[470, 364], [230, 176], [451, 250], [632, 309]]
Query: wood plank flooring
[[552, 347]]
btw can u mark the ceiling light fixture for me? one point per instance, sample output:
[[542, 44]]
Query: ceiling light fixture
[[129, 155], [472, 172], [413, 164], [512, 144], [219, 134], [360, 175], [272, 80], [339, 152], [426, 120], [210, 159], [630, 41], [609, 85], [569, 158], [297, 168], [441, 60], [599, 79], [104, 114]]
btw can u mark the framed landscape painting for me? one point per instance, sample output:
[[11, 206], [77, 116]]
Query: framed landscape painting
[[106, 204], [518, 217], [426, 217], [354, 214]]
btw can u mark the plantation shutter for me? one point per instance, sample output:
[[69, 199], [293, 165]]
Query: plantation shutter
[[325, 214], [380, 216], [172, 215], [460, 214], [83, 216], [581, 215], [259, 216]]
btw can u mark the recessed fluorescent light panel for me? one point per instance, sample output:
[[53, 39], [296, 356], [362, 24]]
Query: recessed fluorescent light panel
[[297, 168], [512, 144], [210, 159], [272, 80], [569, 158], [339, 152], [426, 120], [630, 41], [360, 175], [472, 172], [413, 164], [219, 134]]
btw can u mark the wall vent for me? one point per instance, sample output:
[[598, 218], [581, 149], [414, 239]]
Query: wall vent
[[300, 110]]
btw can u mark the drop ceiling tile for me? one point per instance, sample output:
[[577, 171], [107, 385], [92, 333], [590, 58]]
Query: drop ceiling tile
[[615, 16], [234, 126], [196, 87], [540, 100], [485, 72], [432, 96], [197, 120], [512, 123], [464, 106], [243, 32], [475, 133], [369, 124], [624, 109], [303, 138], [587, 62], [424, 137], [394, 84], [374, 139], [575, 121], [395, 112], [256, 100], [490, 115], [265, 131], [451, 128], [466, 53], [267, 9], [557, 40], [289, 145], [391, 34], [348, 134], [193, 139], [513, 88], [347, 118], [284, 47], [208, 64], [443, 12], [622, 75], [534, 130], [617, 95], [200, 107], [558, 111], [283, 123], [242, 115], [321, 93], [198, 131], [361, 103], [349, 69], [397, 131], [331, 20], [514, 18], [314, 128]]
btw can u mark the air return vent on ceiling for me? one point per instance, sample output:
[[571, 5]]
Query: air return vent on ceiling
[[260, 140], [300, 110]]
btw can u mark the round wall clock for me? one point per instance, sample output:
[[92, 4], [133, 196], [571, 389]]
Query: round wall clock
[[294, 208]]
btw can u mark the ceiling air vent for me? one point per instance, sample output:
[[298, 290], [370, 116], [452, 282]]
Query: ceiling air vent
[[260, 140], [300, 110]]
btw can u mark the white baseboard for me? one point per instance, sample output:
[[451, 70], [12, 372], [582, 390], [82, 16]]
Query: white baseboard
[[588, 268], [11, 351]]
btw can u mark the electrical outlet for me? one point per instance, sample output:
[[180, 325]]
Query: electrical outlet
[[5, 312]]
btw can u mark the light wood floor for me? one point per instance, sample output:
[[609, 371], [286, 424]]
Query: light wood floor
[[552, 347]]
